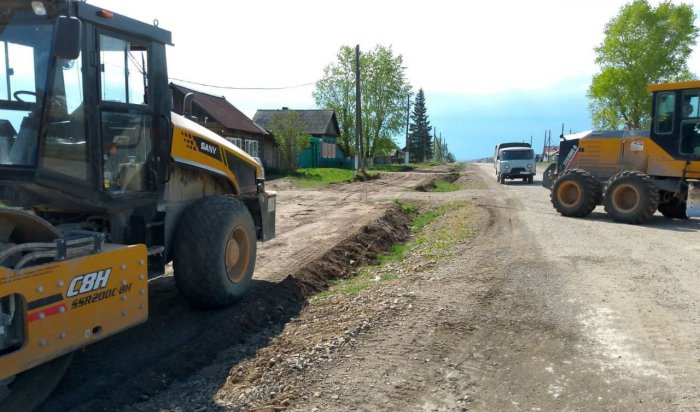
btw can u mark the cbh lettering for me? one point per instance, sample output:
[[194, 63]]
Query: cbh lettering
[[88, 282]]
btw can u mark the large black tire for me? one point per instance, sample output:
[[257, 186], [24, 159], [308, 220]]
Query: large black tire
[[214, 252], [631, 197], [502, 179], [575, 192], [530, 179], [30, 388], [672, 206]]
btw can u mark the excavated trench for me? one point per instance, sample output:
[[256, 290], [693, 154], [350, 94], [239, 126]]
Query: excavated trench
[[177, 340], [431, 184]]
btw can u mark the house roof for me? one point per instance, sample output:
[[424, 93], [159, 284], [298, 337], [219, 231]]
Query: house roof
[[321, 122], [221, 111]]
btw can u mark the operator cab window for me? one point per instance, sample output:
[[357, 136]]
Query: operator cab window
[[690, 123], [124, 71], [24, 58], [665, 111], [64, 147], [125, 119]]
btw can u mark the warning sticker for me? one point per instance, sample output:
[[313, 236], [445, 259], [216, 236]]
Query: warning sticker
[[637, 146]]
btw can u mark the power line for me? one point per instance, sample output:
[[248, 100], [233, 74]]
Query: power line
[[243, 88]]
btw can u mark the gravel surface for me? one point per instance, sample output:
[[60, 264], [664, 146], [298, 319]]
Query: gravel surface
[[520, 309]]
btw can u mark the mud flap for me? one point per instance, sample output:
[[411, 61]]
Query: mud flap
[[693, 202], [268, 211]]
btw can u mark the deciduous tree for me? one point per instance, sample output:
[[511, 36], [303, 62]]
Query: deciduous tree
[[643, 45], [289, 133], [384, 90], [336, 90]]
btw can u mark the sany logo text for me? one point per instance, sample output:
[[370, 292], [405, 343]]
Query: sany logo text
[[88, 282], [209, 148]]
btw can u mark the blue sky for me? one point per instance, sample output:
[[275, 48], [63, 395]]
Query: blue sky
[[473, 125], [491, 71]]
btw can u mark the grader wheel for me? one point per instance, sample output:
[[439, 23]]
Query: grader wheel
[[575, 193], [25, 391], [631, 197]]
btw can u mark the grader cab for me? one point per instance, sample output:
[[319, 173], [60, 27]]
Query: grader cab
[[101, 185], [634, 173]]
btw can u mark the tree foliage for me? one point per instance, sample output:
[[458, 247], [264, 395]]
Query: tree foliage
[[643, 45], [336, 90], [289, 133], [384, 92], [420, 141]]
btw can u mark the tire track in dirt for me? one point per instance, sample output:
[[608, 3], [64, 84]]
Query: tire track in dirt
[[628, 310], [176, 340], [496, 329]]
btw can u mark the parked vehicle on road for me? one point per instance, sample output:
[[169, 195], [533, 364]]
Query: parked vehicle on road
[[516, 163]]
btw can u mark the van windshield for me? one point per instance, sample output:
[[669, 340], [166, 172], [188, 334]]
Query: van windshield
[[516, 154]]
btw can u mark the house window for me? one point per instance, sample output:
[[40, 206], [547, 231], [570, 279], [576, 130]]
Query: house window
[[328, 150], [236, 141], [251, 147]]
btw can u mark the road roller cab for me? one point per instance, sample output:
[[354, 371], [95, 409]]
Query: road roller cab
[[102, 185]]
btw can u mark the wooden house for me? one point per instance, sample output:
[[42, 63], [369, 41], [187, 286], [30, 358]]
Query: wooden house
[[322, 125], [220, 116]]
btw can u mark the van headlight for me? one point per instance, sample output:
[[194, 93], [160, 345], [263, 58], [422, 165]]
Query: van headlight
[[529, 166], [507, 166]]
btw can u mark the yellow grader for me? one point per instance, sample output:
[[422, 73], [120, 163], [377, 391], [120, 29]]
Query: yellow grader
[[102, 185], [634, 173]]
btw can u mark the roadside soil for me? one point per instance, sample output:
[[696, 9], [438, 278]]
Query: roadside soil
[[321, 234], [530, 311]]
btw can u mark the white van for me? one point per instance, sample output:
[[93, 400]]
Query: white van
[[504, 146], [516, 163]]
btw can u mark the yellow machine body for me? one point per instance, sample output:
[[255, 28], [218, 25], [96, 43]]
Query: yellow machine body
[[199, 147], [72, 303], [606, 156]]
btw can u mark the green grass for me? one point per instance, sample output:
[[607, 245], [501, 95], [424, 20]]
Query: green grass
[[443, 186], [398, 253], [408, 208], [319, 177], [392, 167], [432, 245]]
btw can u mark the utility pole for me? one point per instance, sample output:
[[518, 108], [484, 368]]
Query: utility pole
[[408, 120], [358, 112], [544, 145]]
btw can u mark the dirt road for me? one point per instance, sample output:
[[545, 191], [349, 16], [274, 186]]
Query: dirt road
[[531, 311], [177, 340]]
